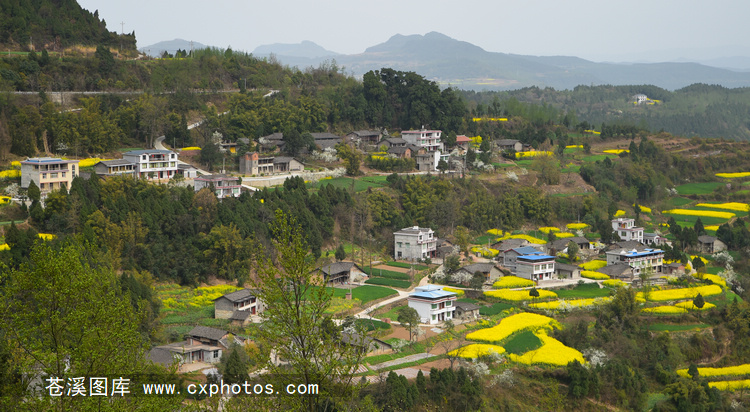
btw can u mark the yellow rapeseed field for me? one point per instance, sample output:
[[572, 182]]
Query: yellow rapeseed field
[[512, 324], [664, 310], [570, 303], [593, 265], [9, 174], [616, 151], [738, 370], [740, 207], [644, 209], [519, 295], [590, 274], [563, 235], [619, 213], [688, 304], [709, 213], [547, 229], [520, 155], [614, 283], [458, 292], [577, 226], [730, 385], [552, 352], [4, 246], [733, 175], [509, 282], [476, 350], [682, 293]]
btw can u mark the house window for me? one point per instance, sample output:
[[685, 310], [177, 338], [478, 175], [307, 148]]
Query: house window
[[53, 175], [434, 305], [434, 317], [449, 303], [44, 175], [399, 244], [216, 354], [41, 185], [63, 174]]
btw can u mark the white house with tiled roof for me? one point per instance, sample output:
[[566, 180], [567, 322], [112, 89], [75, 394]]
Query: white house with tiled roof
[[153, 164]]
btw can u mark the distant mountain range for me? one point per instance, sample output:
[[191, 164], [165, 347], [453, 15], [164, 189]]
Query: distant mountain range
[[170, 46], [463, 65]]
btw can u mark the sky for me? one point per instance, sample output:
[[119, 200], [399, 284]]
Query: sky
[[634, 30]]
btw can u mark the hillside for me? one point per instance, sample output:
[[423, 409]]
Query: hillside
[[54, 25]]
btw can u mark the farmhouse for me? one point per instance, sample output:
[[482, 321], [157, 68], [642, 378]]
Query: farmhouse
[[413, 243], [536, 267], [710, 244], [117, 167], [153, 164], [467, 311], [365, 136], [254, 164], [646, 259], [48, 173], [621, 271], [433, 304], [222, 185], [509, 145], [240, 301], [627, 230], [340, 273], [565, 271], [203, 344], [510, 256], [489, 270]]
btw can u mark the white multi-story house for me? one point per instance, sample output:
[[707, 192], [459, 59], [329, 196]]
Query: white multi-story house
[[414, 243], [48, 173], [627, 230], [536, 266], [153, 164], [429, 139], [639, 260], [432, 303], [223, 185]]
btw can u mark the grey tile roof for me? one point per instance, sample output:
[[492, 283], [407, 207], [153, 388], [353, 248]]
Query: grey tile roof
[[240, 315], [274, 136], [282, 159], [337, 267], [706, 239], [324, 136], [161, 356], [506, 142], [116, 162], [206, 332], [630, 245], [237, 296], [614, 270], [478, 267]]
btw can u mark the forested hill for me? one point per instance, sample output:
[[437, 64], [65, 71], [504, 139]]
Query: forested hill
[[54, 25], [696, 110]]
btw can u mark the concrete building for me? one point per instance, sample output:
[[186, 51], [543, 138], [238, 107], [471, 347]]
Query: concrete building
[[627, 230], [433, 304], [48, 173], [639, 260], [255, 164], [153, 164], [429, 139], [222, 185], [414, 243], [536, 267], [510, 257], [117, 167]]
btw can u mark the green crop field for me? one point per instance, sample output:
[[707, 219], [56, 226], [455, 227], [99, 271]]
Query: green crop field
[[391, 314], [403, 284], [371, 324], [676, 202], [587, 290], [484, 239], [386, 273], [698, 188], [404, 265], [594, 158], [494, 309], [346, 183], [365, 293], [522, 342]]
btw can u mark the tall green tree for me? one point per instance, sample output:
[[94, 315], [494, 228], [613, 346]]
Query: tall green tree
[[294, 320]]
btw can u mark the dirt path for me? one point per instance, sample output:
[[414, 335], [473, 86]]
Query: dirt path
[[392, 268]]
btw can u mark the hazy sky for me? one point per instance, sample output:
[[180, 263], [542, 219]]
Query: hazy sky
[[653, 30]]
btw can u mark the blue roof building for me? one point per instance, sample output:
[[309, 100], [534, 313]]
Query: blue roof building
[[433, 304]]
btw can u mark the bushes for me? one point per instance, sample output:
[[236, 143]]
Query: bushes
[[391, 164]]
